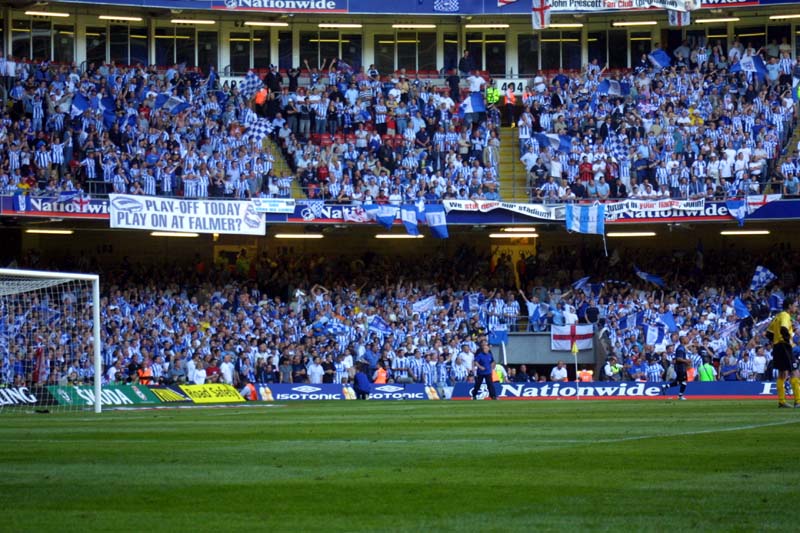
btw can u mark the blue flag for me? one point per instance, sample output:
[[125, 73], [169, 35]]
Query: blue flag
[[651, 278], [737, 209], [79, 104], [408, 214], [761, 278], [581, 283], [437, 221], [379, 325], [668, 320], [775, 302], [630, 321], [22, 202], [660, 59], [473, 103], [472, 302], [586, 218], [653, 334], [553, 141], [741, 308]]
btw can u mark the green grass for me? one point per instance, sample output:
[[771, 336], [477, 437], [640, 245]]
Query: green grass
[[406, 466]]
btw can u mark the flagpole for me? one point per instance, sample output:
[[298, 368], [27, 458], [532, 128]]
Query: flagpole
[[577, 376]]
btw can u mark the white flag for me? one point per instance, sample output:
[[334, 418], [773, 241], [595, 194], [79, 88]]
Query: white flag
[[563, 337], [541, 14], [678, 19]]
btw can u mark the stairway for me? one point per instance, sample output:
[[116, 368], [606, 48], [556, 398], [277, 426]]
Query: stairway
[[512, 173], [281, 167]]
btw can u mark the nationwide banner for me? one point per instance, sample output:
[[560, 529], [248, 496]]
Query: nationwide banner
[[113, 395], [420, 7], [274, 205], [327, 391], [191, 216], [632, 390], [212, 393], [81, 207]]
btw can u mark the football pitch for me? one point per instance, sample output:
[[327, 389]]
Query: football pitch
[[406, 466]]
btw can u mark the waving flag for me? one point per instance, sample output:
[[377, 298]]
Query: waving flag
[[473, 103], [651, 278], [761, 278], [540, 14], [612, 88], [472, 303], [631, 321], [586, 218], [659, 58], [581, 283], [250, 85], [259, 129], [562, 338], [424, 305], [79, 104], [554, 141], [67, 196], [408, 214], [750, 64], [653, 334], [379, 325], [775, 302], [669, 320], [437, 221], [740, 308]]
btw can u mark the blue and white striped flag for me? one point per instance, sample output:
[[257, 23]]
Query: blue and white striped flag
[[408, 214], [761, 278], [250, 85], [424, 305], [653, 334], [630, 321], [652, 278], [586, 218], [437, 221], [473, 103], [581, 283]]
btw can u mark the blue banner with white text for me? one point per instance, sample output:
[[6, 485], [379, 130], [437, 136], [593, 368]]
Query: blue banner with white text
[[718, 390]]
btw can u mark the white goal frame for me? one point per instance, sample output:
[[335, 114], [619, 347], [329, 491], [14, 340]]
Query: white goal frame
[[68, 276]]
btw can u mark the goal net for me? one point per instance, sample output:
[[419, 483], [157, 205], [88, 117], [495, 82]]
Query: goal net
[[49, 341]]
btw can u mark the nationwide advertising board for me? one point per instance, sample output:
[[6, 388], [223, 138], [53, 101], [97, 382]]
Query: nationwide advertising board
[[428, 7], [221, 216], [720, 390]]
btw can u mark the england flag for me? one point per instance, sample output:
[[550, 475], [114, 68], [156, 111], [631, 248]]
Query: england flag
[[540, 14]]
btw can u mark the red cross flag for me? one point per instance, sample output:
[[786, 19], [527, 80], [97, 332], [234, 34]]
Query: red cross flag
[[562, 338], [541, 14]]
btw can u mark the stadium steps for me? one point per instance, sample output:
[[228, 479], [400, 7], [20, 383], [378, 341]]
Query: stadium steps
[[512, 175], [282, 168]]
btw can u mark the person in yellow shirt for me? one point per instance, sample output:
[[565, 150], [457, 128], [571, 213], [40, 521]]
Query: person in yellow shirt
[[780, 333]]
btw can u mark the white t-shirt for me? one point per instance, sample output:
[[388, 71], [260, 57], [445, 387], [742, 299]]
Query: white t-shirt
[[475, 83], [199, 376], [226, 369], [315, 373], [558, 374]]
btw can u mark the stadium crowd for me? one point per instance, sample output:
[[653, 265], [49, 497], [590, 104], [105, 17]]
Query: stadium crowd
[[297, 319], [348, 134], [705, 123]]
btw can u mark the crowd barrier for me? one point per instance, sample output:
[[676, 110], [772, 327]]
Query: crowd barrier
[[132, 395]]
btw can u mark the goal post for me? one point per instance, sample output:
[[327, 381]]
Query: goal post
[[36, 309]]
